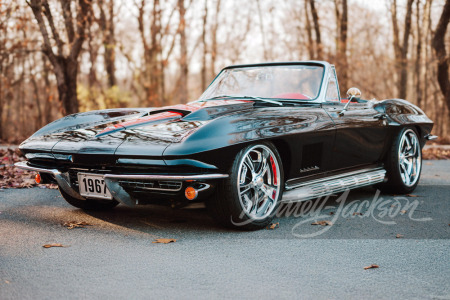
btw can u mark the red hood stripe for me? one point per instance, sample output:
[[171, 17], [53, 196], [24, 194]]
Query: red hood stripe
[[167, 114]]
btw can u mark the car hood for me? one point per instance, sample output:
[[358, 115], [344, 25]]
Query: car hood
[[145, 134]]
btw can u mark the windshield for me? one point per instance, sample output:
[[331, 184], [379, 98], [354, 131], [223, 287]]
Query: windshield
[[300, 82]]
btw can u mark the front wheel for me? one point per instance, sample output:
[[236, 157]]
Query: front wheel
[[248, 199], [403, 164], [89, 204]]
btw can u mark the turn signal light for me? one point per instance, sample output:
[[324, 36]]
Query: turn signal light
[[190, 193], [37, 178]]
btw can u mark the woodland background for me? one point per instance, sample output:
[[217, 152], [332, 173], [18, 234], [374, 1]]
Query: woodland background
[[63, 56]]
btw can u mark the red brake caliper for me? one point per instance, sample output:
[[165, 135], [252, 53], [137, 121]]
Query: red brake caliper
[[275, 180]]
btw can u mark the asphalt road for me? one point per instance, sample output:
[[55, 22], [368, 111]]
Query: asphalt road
[[116, 259]]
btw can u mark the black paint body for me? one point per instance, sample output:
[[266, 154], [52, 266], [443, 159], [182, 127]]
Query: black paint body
[[313, 139], [208, 139]]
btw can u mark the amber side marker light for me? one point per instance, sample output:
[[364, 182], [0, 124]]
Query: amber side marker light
[[190, 193], [37, 178]]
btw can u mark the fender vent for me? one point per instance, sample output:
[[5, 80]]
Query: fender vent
[[312, 156]]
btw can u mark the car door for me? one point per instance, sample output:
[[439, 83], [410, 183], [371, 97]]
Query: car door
[[360, 131]]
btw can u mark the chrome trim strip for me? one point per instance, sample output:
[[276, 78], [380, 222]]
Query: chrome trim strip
[[122, 182], [61, 178], [294, 186], [333, 184], [136, 161], [24, 165], [167, 177]]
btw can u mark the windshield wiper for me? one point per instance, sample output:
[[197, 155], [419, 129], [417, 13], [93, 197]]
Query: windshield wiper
[[245, 97]]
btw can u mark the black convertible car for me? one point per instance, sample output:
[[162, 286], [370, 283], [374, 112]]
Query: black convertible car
[[259, 135]]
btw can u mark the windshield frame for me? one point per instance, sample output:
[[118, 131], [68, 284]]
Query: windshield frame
[[318, 98]]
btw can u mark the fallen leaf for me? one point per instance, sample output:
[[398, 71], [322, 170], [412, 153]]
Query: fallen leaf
[[399, 236], [74, 224], [53, 245], [403, 212], [357, 214], [164, 241], [273, 225], [411, 195], [331, 213], [323, 223], [393, 205], [7, 282], [372, 266], [52, 186]]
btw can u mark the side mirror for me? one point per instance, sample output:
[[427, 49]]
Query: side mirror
[[351, 93]]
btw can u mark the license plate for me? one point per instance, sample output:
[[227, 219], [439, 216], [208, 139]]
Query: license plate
[[93, 186]]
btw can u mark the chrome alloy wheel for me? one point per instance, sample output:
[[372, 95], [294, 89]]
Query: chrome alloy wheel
[[258, 182], [409, 158]]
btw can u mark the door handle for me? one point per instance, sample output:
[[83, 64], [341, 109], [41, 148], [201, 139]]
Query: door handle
[[380, 116]]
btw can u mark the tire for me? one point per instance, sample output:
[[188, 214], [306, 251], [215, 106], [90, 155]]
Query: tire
[[89, 204], [403, 163], [249, 197]]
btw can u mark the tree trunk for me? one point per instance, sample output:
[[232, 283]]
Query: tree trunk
[[152, 72], [404, 52], [66, 81], [261, 29], [438, 44], [341, 55], [418, 56], [48, 92], [309, 32], [214, 40], [205, 47], [183, 91], [315, 16], [109, 43]]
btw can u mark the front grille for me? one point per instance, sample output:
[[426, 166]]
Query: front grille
[[155, 185]]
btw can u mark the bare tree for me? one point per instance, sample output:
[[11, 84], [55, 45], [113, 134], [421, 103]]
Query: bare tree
[[152, 73], [183, 90], [205, 46], [65, 63], [341, 43], [107, 28], [309, 31], [315, 17], [214, 29], [438, 43], [401, 50], [261, 28]]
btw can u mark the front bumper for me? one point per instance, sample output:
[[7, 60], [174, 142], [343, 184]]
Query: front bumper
[[115, 182]]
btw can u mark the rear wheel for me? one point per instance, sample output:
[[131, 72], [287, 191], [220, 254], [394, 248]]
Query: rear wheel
[[89, 204], [403, 164], [249, 198]]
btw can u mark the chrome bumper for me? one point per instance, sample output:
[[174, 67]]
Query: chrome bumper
[[112, 181], [430, 137], [61, 178]]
